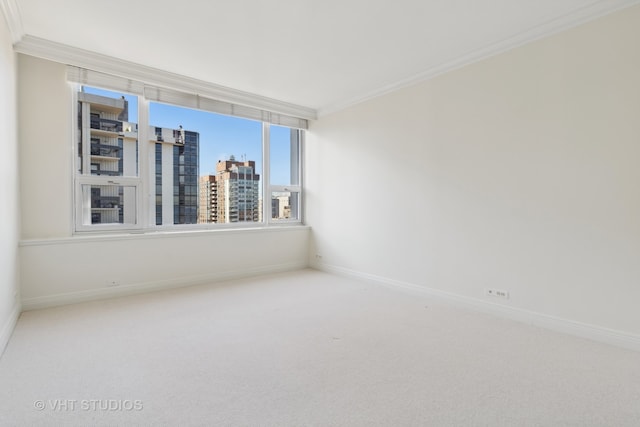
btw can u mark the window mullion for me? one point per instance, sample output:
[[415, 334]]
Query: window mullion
[[301, 145], [145, 169], [266, 173]]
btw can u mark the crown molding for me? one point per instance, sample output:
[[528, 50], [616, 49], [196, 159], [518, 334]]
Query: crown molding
[[580, 16], [69, 55], [14, 21]]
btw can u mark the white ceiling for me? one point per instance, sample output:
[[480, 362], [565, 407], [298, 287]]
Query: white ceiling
[[322, 54]]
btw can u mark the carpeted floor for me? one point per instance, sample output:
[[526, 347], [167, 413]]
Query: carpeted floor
[[300, 349]]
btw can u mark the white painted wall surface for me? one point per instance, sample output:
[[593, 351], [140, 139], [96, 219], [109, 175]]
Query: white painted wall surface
[[9, 206], [61, 271], [519, 172], [58, 268], [44, 117]]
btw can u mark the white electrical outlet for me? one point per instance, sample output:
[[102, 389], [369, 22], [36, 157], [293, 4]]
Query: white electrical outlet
[[498, 293]]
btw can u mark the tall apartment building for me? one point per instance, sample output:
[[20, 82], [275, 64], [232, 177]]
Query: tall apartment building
[[107, 145], [208, 212], [238, 191], [176, 159]]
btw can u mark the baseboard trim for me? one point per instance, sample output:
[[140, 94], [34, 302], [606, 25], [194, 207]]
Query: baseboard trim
[[140, 288], [8, 327], [570, 327]]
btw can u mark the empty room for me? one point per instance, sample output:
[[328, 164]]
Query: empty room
[[320, 213]]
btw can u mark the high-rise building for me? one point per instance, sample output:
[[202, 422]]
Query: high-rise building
[[109, 143], [208, 212], [176, 175], [238, 191]]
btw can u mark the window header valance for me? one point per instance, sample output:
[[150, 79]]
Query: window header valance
[[181, 98]]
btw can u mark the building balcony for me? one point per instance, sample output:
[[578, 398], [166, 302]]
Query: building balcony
[[107, 125], [105, 150]]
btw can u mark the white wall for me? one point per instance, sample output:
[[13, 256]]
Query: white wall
[[60, 271], [9, 217], [44, 119], [519, 172], [58, 268]]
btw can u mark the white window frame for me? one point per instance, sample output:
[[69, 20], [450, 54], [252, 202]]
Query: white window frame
[[85, 178], [144, 183]]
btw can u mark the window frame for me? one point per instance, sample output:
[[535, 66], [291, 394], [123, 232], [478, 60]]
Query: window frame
[[144, 182], [284, 188], [86, 178]]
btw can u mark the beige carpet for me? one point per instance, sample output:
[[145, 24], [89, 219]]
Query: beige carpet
[[300, 349]]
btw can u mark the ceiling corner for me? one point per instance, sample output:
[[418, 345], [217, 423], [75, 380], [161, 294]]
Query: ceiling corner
[[583, 15], [12, 15]]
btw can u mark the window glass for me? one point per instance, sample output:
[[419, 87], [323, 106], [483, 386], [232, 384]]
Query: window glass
[[208, 166], [108, 204], [285, 173], [284, 205], [107, 133], [284, 154]]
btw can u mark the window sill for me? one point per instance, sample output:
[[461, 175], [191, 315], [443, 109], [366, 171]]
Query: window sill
[[85, 237]]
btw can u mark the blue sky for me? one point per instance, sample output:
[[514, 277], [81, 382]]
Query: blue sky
[[220, 136]]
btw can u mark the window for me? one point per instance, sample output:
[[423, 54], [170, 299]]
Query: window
[[150, 158], [213, 168], [285, 173], [107, 181]]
